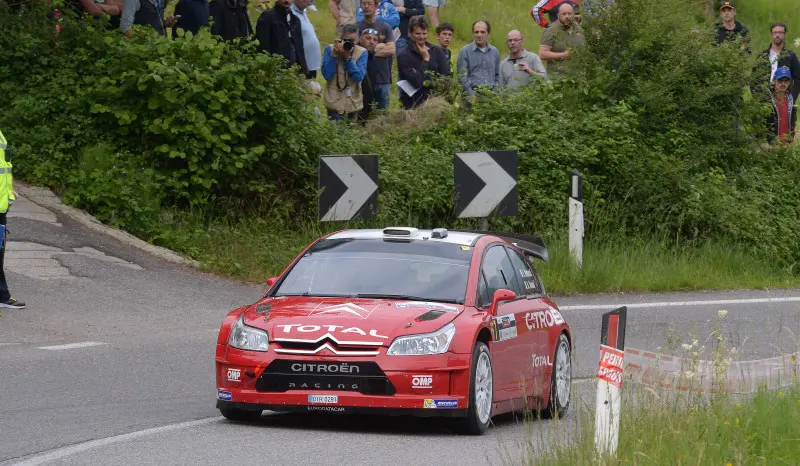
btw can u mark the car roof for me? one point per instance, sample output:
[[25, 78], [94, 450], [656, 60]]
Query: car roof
[[412, 234]]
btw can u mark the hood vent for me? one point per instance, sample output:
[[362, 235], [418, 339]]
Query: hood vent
[[430, 315]]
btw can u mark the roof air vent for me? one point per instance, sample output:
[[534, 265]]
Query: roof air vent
[[440, 233], [400, 232]]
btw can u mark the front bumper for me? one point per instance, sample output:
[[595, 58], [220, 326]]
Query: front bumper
[[390, 385]]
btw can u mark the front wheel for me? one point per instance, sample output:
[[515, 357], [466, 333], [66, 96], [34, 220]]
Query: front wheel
[[481, 394], [561, 380], [233, 414]]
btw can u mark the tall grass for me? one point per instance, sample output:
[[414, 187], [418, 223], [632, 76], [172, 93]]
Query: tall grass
[[758, 15], [764, 429], [253, 249]]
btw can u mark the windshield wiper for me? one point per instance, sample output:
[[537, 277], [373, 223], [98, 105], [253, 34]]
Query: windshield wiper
[[405, 296]]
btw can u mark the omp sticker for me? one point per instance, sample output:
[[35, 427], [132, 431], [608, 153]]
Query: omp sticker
[[326, 399], [224, 395], [611, 363], [421, 381], [440, 404], [234, 375]]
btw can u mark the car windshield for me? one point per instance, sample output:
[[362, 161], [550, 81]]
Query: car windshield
[[375, 268]]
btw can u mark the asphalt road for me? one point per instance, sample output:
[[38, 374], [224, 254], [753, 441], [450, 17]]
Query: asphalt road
[[112, 363]]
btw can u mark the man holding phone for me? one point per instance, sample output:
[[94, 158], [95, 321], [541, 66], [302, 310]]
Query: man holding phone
[[344, 64], [520, 67]]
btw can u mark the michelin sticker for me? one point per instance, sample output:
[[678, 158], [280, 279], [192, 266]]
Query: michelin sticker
[[440, 404], [505, 327], [424, 305], [224, 395]]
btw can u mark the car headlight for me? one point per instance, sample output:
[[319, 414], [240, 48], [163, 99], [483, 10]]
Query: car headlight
[[248, 338], [437, 342]]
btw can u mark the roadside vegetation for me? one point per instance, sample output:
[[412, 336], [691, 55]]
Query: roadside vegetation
[[213, 151], [762, 429], [687, 427]]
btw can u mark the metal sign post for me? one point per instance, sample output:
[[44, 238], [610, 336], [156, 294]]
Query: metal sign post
[[486, 184], [609, 383], [576, 217], [349, 187]]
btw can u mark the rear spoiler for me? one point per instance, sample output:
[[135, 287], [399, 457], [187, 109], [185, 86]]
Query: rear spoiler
[[529, 244]]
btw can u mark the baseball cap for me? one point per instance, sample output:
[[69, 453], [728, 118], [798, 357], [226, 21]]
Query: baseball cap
[[783, 72], [727, 4]]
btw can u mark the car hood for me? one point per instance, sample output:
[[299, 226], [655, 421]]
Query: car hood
[[347, 319]]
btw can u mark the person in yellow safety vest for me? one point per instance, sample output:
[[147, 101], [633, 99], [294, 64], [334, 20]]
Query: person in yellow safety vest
[[7, 198]]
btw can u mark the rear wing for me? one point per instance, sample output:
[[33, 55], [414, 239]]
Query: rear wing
[[529, 244]]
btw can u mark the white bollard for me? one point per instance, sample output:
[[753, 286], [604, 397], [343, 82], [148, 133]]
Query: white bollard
[[576, 217], [609, 401], [609, 382]]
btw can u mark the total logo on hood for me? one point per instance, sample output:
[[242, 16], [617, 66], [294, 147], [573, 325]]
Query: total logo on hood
[[340, 329]]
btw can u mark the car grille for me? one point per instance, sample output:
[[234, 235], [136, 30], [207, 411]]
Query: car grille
[[284, 375], [286, 346]]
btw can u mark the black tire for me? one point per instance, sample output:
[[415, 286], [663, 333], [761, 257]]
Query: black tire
[[240, 415], [558, 407], [472, 424]]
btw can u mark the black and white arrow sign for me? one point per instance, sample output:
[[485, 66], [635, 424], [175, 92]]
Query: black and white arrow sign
[[486, 183], [349, 185]]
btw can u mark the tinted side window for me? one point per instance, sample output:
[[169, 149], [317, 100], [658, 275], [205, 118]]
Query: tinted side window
[[498, 271], [484, 298], [525, 273]]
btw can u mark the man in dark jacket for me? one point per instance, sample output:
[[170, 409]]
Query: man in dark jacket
[[731, 30], [417, 64], [410, 9], [191, 15], [231, 20], [776, 56], [279, 32]]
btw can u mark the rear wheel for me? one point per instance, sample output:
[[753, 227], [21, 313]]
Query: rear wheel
[[481, 394], [560, 380], [233, 414]]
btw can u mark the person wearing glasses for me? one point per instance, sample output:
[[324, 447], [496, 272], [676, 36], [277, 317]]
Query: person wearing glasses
[[385, 50], [521, 66]]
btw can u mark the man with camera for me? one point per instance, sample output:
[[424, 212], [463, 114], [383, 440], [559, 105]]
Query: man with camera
[[344, 64], [520, 67]]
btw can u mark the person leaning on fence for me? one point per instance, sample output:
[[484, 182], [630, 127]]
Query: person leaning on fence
[[344, 64], [7, 198]]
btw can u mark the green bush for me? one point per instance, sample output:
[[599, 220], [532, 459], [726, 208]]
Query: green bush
[[658, 123]]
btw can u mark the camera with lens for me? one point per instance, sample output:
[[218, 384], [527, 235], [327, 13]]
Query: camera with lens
[[348, 44]]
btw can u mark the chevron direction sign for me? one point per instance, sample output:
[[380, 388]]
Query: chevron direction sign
[[349, 187], [486, 184]]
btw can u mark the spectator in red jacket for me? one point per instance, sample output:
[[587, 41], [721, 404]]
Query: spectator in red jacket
[[545, 12]]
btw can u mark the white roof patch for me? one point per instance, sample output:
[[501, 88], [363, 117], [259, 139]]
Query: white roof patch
[[454, 237]]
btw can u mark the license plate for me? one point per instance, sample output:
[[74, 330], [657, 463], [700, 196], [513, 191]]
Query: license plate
[[327, 399]]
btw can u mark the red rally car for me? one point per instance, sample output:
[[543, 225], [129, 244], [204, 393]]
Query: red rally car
[[401, 321]]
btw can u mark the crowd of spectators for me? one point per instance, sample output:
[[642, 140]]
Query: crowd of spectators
[[357, 67]]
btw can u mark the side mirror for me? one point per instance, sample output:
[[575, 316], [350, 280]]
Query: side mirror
[[500, 296], [271, 281]]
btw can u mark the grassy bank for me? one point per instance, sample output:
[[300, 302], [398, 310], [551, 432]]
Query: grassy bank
[[254, 249], [764, 429]]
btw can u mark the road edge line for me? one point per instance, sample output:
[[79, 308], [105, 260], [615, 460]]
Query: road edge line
[[63, 452]]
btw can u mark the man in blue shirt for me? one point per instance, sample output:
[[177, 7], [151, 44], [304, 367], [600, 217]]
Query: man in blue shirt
[[479, 61]]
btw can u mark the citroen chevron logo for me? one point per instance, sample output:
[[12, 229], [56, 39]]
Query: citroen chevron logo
[[338, 309]]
